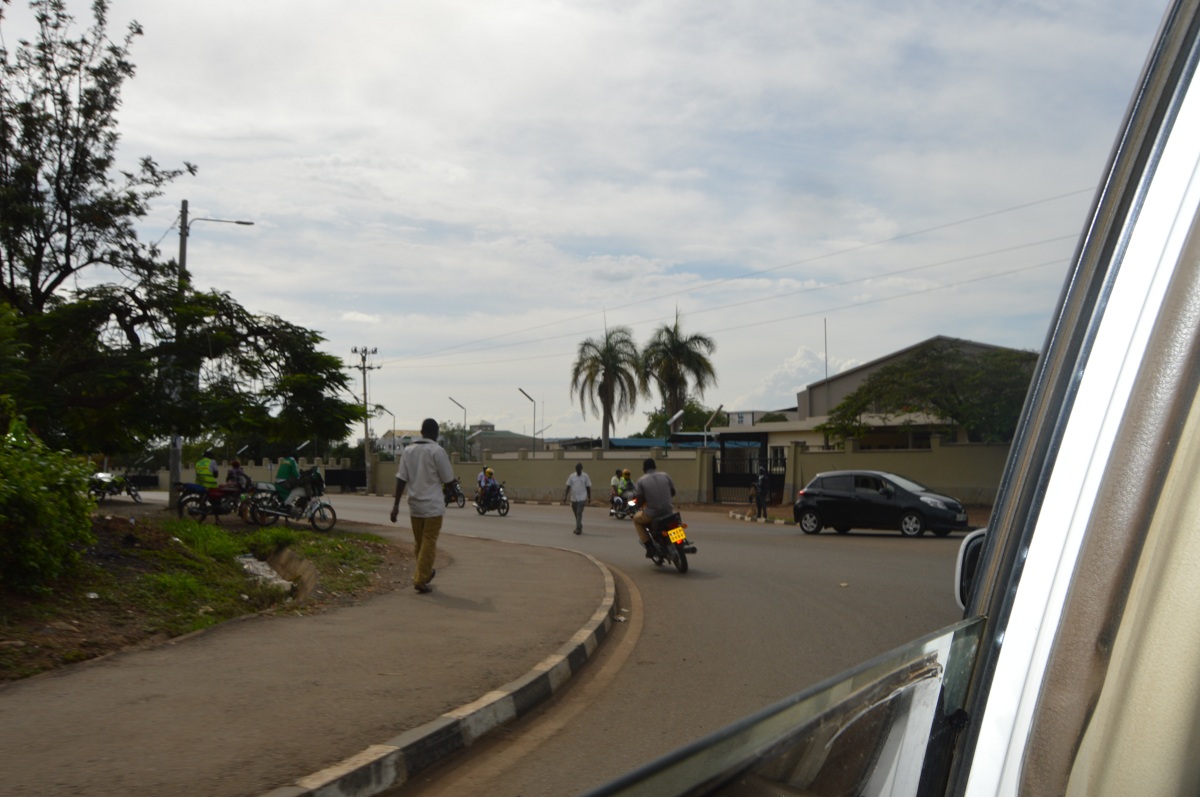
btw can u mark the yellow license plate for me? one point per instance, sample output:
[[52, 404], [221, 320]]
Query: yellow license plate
[[676, 534]]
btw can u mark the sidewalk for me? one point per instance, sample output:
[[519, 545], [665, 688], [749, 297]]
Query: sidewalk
[[358, 698]]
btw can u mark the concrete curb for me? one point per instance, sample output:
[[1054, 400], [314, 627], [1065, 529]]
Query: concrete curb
[[393, 763], [770, 522]]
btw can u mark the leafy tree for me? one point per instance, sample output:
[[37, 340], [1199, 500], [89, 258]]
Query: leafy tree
[[606, 377], [674, 362], [695, 416], [772, 417], [980, 391], [112, 366]]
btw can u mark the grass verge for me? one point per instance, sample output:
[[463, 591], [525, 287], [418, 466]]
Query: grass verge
[[151, 577]]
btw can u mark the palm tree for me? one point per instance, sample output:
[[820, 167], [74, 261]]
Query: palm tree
[[674, 360], [607, 371]]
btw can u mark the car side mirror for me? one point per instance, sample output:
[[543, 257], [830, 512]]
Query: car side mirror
[[970, 552], [886, 491]]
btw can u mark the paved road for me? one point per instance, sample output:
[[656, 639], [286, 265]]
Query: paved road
[[764, 612]]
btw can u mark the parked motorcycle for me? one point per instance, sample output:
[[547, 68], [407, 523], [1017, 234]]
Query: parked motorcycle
[[669, 542], [453, 493], [269, 502], [198, 502], [493, 499], [102, 485]]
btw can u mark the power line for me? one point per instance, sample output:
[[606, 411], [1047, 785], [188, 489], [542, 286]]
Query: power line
[[775, 296], [725, 280], [765, 322]]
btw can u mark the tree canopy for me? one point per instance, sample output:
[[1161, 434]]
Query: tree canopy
[[981, 391], [605, 376], [127, 352], [675, 362], [695, 417]]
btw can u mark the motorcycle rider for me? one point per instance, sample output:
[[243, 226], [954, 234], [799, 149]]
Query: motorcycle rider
[[490, 489], [626, 484], [654, 492], [237, 476], [289, 472], [206, 470]]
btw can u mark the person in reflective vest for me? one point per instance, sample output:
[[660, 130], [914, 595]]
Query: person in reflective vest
[[206, 470]]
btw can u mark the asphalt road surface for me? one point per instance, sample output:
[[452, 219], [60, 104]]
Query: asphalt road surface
[[764, 612]]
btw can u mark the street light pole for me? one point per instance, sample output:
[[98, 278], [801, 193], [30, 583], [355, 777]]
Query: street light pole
[[533, 428], [175, 455], [464, 431]]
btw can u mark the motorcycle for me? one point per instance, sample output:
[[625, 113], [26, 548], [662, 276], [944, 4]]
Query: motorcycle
[[622, 506], [493, 499], [669, 542], [269, 502], [102, 485], [197, 501], [453, 493]]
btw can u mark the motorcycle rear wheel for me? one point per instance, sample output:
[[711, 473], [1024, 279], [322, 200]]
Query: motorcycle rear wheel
[[680, 558], [323, 518], [479, 508]]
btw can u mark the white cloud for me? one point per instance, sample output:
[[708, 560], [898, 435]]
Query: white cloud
[[478, 188]]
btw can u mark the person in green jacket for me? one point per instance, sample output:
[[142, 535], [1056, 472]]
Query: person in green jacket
[[206, 470], [289, 472]]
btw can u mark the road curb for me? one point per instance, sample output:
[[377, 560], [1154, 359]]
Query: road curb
[[391, 764], [769, 521]]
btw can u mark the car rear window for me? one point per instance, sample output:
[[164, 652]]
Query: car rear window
[[838, 484]]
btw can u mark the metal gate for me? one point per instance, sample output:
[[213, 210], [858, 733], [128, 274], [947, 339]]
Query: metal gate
[[734, 474]]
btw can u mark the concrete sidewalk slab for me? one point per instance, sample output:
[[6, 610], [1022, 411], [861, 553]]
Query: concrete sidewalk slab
[[348, 701]]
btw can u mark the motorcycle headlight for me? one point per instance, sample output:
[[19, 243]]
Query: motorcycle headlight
[[934, 502]]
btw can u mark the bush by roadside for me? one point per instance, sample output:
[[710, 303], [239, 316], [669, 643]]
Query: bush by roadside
[[146, 577]]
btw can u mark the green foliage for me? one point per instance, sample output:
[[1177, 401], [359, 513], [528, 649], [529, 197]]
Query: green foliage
[[674, 362], [607, 377], [45, 513], [268, 540], [695, 416], [208, 540], [112, 366], [981, 391], [772, 417]]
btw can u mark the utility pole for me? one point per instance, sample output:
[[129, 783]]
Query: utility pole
[[363, 352], [183, 281]]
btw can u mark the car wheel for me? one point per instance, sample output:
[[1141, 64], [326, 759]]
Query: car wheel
[[842, 529], [809, 521], [912, 524]]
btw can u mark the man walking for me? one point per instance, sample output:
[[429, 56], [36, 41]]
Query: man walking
[[424, 469], [762, 488], [579, 491]]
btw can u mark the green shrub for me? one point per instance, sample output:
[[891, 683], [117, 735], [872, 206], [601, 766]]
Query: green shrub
[[45, 511], [267, 541]]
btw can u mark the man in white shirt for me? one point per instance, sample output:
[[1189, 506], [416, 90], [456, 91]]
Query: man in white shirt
[[579, 491], [424, 469]]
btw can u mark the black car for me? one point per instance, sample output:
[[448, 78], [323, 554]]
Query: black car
[[875, 499]]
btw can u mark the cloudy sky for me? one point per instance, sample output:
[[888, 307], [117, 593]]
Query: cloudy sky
[[475, 188]]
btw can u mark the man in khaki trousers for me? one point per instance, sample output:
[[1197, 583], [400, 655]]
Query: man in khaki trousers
[[424, 470]]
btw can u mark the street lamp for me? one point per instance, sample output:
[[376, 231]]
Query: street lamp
[[464, 431], [533, 426], [709, 423], [381, 408], [175, 458]]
